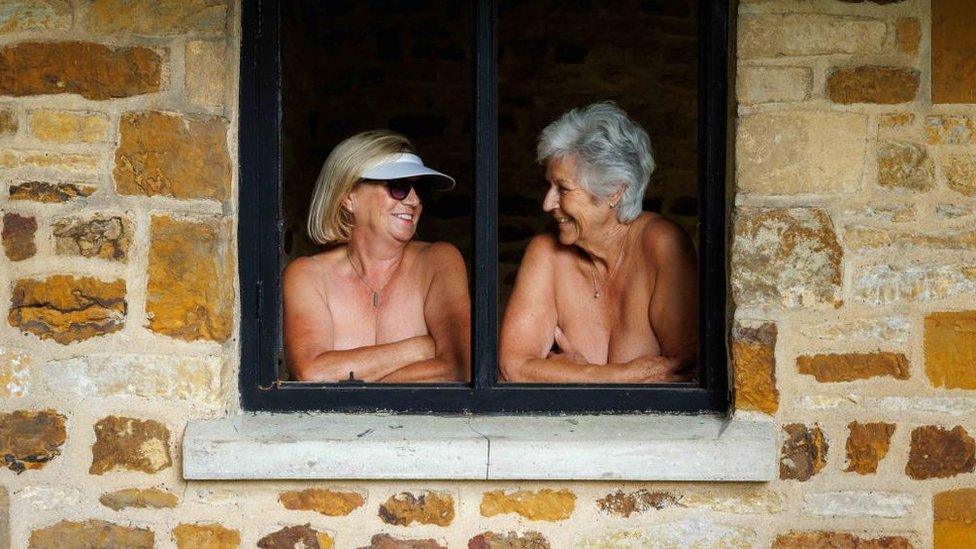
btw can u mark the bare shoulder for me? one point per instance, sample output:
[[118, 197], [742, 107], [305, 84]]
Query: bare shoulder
[[441, 252], [663, 239], [306, 269], [544, 246]]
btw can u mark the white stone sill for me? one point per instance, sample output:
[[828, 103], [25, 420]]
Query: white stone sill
[[394, 447]]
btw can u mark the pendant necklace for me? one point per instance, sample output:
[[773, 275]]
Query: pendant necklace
[[610, 273], [376, 292]]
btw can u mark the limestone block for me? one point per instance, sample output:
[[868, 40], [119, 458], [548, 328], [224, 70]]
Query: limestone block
[[405, 508], [68, 126], [870, 84], [546, 504], [68, 309], [950, 349], [785, 257], [690, 532], [90, 533], [164, 154], [139, 498], [884, 284], [960, 173], [30, 439], [50, 160], [858, 504], [757, 84], [950, 129], [170, 377], [327, 502], [954, 516], [867, 445], [386, 541], [124, 443], [205, 536], [190, 292], [754, 367], [291, 537], [805, 540], [904, 165], [937, 452], [838, 367], [776, 35], [511, 540], [50, 193], [205, 72], [908, 33], [804, 452], [27, 15], [15, 372], [624, 504], [101, 236], [93, 71], [788, 153], [8, 122], [156, 17], [18, 236]]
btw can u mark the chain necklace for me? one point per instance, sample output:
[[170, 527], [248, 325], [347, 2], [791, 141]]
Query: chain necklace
[[376, 292], [610, 273]]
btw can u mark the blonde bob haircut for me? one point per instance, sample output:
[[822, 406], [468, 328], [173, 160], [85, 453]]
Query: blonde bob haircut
[[328, 221]]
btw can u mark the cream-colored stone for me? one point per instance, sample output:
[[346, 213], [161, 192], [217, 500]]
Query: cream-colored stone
[[951, 211], [787, 153], [691, 533], [950, 129], [776, 35], [893, 213], [25, 15], [69, 162], [205, 73], [960, 173], [751, 502], [156, 17], [68, 126], [905, 165], [884, 284], [858, 504], [15, 372], [859, 331], [773, 84]]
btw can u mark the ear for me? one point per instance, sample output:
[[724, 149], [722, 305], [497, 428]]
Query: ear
[[614, 200], [347, 203]]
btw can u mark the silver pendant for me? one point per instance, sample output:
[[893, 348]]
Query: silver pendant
[[376, 300]]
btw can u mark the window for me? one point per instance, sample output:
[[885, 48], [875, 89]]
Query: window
[[484, 126]]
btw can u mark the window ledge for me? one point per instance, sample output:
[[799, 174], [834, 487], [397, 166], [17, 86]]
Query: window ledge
[[374, 446]]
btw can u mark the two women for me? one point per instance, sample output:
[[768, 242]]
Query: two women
[[610, 297]]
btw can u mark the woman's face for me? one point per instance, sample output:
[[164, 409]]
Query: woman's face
[[373, 208], [578, 213]]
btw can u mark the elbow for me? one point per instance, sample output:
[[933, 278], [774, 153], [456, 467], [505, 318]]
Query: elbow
[[309, 373], [512, 369]]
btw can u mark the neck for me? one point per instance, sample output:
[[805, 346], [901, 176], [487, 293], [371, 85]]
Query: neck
[[607, 251], [374, 259]]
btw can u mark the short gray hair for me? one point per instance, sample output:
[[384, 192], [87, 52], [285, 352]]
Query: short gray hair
[[610, 149]]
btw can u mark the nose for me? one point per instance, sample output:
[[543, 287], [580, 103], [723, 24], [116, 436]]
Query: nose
[[412, 199], [551, 201]]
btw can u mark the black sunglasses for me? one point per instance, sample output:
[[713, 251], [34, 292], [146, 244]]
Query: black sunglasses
[[399, 189]]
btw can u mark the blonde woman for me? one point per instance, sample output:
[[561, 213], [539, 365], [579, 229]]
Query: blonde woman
[[376, 305]]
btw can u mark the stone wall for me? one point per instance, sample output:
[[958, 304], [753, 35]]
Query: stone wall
[[853, 274]]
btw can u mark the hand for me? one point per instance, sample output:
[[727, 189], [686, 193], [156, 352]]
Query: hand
[[659, 369], [567, 351]]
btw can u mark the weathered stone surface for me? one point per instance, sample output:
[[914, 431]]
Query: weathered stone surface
[[25, 15], [952, 211], [807, 152], [940, 453], [895, 121], [93, 71], [156, 17], [776, 35], [858, 504], [172, 155], [624, 504], [15, 372], [404, 509], [90, 534], [695, 532], [101, 236], [8, 122], [950, 130], [18, 236], [861, 238], [545, 504], [511, 540], [904, 165], [785, 257], [838, 367], [68, 126], [190, 292], [41, 191], [68, 309], [893, 213], [754, 367], [868, 84], [950, 349], [386, 541], [170, 377], [205, 73], [960, 172], [320, 500], [746, 501], [954, 516], [953, 52], [867, 445], [139, 498], [835, 333], [883, 284], [804, 452], [773, 84], [205, 536], [839, 540], [30, 439], [296, 537], [125, 443], [908, 32], [69, 162]]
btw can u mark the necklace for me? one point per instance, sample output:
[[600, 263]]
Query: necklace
[[376, 292], [610, 273]]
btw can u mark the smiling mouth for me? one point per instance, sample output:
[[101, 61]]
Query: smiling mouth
[[404, 216], [560, 219]]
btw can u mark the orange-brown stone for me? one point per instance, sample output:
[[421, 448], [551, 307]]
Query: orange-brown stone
[[953, 51], [546, 504], [804, 452], [68, 126], [754, 367], [838, 367], [190, 288], [326, 502], [882, 85], [205, 536], [165, 154], [624, 504], [18, 236], [940, 453], [904, 165], [950, 349], [26, 15], [8, 122], [511, 540], [29, 439], [386, 541], [294, 537], [90, 534], [908, 32], [101, 236], [93, 71], [837, 540], [404, 509], [867, 444], [153, 498], [954, 519], [67, 309], [960, 172], [124, 443], [156, 17], [41, 191]]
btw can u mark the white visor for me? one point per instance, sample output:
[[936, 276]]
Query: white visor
[[402, 165]]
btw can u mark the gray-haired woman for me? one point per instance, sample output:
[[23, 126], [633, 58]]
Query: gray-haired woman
[[616, 288]]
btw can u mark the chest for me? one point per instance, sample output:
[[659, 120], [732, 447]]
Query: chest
[[362, 316]]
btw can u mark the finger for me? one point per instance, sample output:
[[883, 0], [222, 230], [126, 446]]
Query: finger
[[563, 341]]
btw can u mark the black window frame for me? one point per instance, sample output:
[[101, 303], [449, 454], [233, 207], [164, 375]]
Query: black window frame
[[260, 231]]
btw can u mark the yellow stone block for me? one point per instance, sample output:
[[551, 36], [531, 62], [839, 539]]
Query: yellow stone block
[[950, 349], [954, 515], [68, 126]]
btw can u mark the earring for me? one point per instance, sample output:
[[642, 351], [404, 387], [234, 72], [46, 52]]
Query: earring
[[612, 206]]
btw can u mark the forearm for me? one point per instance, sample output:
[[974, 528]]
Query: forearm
[[643, 369], [553, 370], [426, 371], [370, 363]]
